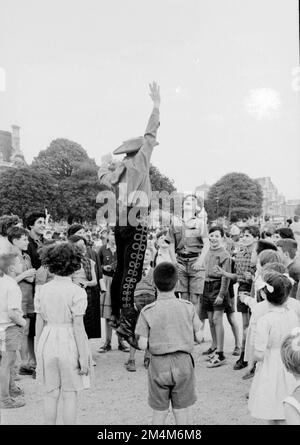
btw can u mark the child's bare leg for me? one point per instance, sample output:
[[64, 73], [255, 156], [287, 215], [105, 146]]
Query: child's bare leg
[[235, 329], [50, 407], [181, 416], [108, 330], [7, 363], [212, 330], [24, 347], [31, 352], [69, 407], [246, 319], [159, 417], [195, 299], [218, 323], [132, 353]]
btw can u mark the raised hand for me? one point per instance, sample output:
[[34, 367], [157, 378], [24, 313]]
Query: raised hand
[[155, 94]]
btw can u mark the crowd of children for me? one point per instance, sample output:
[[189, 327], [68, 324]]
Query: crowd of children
[[54, 291]]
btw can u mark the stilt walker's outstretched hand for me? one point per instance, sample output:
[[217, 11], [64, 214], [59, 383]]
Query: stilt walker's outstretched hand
[[155, 94]]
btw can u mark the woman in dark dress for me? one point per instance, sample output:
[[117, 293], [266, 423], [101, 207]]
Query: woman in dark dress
[[86, 277]]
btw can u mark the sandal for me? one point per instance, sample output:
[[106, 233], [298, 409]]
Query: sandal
[[216, 361], [209, 351]]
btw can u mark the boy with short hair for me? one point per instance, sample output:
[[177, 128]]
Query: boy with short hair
[[289, 247], [168, 327], [215, 294], [18, 237], [12, 326], [244, 270]]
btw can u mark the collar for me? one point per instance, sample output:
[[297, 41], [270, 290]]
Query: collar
[[166, 297], [61, 278]]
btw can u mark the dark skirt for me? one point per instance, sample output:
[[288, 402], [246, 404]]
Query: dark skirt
[[91, 319]]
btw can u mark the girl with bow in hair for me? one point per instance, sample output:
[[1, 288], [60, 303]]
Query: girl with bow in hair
[[271, 382]]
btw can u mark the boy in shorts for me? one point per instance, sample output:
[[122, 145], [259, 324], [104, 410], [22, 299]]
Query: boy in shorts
[[168, 327], [12, 326], [244, 270], [215, 294]]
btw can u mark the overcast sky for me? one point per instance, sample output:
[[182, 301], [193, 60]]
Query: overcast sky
[[80, 70]]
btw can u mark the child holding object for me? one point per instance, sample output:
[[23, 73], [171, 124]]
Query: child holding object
[[63, 357]]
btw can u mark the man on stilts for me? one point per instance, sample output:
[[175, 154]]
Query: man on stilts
[[130, 182]]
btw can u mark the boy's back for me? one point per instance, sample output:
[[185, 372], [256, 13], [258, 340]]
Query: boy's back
[[169, 324]]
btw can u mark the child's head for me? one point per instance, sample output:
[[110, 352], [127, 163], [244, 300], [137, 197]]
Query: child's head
[[278, 287], [76, 229], [216, 236], [61, 258], [268, 256], [249, 235], [11, 264], [290, 353], [18, 237], [276, 267], [7, 222], [80, 242], [260, 247], [192, 204], [282, 233], [35, 222], [165, 277], [288, 247]]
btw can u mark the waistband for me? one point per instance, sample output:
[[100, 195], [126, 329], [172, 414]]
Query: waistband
[[187, 257], [60, 325], [212, 280]]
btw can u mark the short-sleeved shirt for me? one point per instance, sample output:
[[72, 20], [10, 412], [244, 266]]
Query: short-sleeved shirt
[[169, 324], [243, 264], [60, 300], [10, 298], [187, 237], [26, 287]]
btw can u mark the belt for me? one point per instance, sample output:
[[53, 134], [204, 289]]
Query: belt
[[186, 256]]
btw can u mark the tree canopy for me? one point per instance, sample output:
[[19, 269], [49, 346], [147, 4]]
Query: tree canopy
[[24, 190], [61, 158], [78, 195], [159, 181], [234, 196]]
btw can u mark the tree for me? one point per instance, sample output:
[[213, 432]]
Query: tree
[[234, 196], [160, 182], [78, 194], [25, 190], [61, 158]]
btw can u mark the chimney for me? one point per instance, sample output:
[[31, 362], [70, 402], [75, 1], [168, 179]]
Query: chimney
[[15, 138]]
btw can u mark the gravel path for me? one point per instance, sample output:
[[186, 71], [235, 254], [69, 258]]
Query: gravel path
[[120, 397]]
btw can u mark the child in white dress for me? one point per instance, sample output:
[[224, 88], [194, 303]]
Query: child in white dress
[[290, 354], [272, 383], [63, 358]]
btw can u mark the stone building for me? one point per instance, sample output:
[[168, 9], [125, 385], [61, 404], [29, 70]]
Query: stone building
[[11, 155]]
